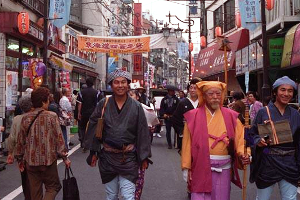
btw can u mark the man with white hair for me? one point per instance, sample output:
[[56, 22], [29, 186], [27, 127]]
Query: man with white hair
[[213, 137]]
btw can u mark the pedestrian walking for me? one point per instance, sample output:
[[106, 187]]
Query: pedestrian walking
[[168, 106], [255, 104], [25, 106], [39, 144], [88, 100], [142, 97], [53, 103], [239, 105], [187, 104], [126, 140], [66, 109], [213, 135], [277, 162]]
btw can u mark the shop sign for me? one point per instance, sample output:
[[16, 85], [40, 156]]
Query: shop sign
[[259, 57], [61, 64], [23, 22], [137, 63], [296, 49], [275, 51], [245, 59], [137, 20], [252, 57], [11, 88], [250, 14], [288, 47], [134, 44], [35, 32], [73, 53], [238, 62]]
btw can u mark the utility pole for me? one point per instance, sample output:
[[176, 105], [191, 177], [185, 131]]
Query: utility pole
[[45, 42], [190, 51], [266, 86]]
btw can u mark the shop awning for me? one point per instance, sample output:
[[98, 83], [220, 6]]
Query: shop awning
[[211, 59], [291, 49], [59, 63]]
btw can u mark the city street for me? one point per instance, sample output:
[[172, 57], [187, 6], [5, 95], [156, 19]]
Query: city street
[[163, 179]]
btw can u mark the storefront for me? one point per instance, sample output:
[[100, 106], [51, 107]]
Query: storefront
[[210, 63], [83, 63], [21, 57]]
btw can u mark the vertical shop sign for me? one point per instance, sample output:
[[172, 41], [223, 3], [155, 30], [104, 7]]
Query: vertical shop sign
[[245, 59], [137, 20], [250, 14], [238, 62], [137, 62], [252, 57], [259, 56], [23, 22], [275, 51], [296, 49]]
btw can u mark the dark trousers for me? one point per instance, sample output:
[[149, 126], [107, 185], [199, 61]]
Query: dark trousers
[[65, 135], [25, 185], [47, 175], [82, 127], [168, 131]]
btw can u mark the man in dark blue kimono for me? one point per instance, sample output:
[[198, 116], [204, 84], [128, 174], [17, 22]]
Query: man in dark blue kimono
[[126, 143], [277, 163]]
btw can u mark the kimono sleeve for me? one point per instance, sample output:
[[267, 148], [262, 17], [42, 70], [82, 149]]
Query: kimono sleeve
[[143, 143], [91, 142], [186, 154]]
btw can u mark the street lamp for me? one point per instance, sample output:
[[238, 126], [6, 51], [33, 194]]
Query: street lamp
[[179, 31], [166, 31]]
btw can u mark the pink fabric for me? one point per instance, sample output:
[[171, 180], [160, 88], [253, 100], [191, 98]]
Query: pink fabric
[[218, 139], [202, 179], [221, 186]]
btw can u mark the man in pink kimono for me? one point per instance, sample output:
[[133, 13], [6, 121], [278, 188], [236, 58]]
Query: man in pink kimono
[[213, 145]]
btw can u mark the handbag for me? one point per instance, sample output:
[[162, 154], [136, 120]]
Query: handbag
[[64, 118], [279, 132], [70, 187], [100, 122]]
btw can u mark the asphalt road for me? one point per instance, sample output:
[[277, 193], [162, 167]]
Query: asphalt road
[[163, 179]]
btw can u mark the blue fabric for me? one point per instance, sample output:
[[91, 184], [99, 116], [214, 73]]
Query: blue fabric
[[274, 168], [284, 80], [287, 191]]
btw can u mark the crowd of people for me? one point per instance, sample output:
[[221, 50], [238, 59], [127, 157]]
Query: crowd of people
[[211, 129]]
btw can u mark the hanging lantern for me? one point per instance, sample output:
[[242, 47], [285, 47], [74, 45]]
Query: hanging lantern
[[270, 4], [23, 22], [238, 22], [218, 31], [203, 41], [191, 46]]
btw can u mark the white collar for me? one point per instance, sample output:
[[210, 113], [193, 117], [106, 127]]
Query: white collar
[[194, 103]]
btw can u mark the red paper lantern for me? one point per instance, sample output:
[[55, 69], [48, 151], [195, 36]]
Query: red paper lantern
[[270, 4], [191, 46], [23, 22], [238, 21], [203, 41], [218, 31]]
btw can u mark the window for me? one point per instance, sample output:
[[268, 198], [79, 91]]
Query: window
[[218, 18], [229, 15]]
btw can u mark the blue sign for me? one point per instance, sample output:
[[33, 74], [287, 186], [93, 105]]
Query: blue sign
[[250, 14], [59, 9], [112, 65], [183, 50]]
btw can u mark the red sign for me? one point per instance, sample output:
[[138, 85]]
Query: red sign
[[211, 59], [137, 20], [137, 63], [23, 22]]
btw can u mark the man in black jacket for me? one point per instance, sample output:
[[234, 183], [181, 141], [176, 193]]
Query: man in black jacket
[[185, 105], [88, 98], [168, 106]]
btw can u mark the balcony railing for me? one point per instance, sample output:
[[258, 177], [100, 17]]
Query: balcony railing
[[283, 8], [34, 5]]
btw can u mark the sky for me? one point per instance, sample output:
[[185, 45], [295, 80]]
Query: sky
[[160, 8]]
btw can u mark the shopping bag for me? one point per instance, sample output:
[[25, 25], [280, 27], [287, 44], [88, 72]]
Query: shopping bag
[[70, 187]]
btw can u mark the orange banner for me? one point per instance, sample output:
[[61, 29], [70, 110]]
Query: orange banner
[[135, 44]]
